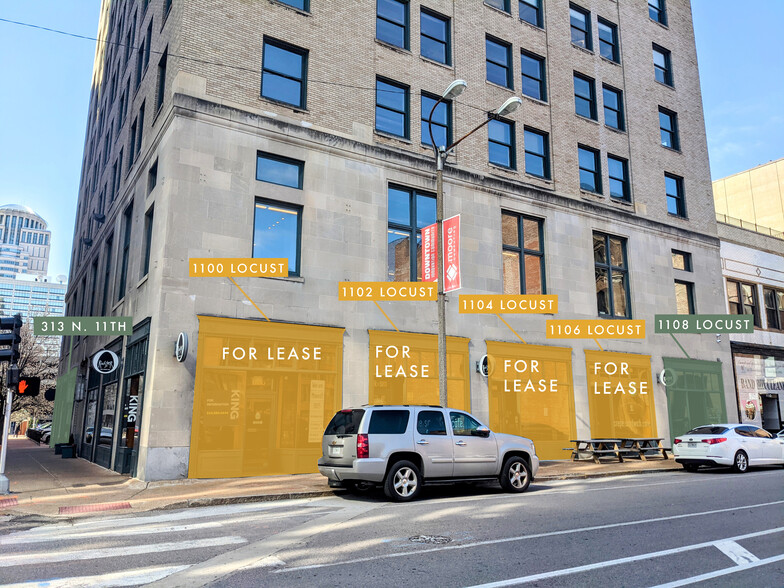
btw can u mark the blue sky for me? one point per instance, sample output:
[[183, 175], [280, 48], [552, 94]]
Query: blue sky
[[42, 117]]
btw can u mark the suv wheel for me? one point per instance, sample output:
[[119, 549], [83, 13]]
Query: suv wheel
[[741, 463], [403, 481], [515, 475], [691, 467]]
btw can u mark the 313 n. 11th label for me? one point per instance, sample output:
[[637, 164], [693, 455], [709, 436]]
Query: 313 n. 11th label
[[63, 326]]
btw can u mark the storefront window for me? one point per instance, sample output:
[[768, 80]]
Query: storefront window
[[107, 414], [89, 420]]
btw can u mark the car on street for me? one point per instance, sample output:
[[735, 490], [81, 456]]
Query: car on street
[[402, 448], [780, 434], [36, 433], [736, 445]]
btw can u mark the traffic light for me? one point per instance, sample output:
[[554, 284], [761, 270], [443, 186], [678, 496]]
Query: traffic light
[[29, 386], [10, 337]]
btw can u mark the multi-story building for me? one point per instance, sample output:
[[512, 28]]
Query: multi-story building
[[32, 296], [295, 129], [24, 242], [750, 210]]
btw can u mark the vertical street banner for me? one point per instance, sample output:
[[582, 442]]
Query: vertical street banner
[[452, 254], [430, 253]]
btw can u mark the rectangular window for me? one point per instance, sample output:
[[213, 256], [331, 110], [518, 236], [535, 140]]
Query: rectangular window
[[107, 275], [279, 170], [584, 96], [668, 127], [742, 299], [277, 232], [684, 297], [148, 218], [119, 174], [121, 112], [441, 122], [657, 11], [139, 65], [303, 5], [127, 222], [434, 40], [590, 171], [618, 170], [662, 65], [147, 43], [284, 73], [522, 254], [140, 131], [613, 108], [608, 41], [152, 177], [537, 153], [499, 4], [167, 4], [681, 260], [532, 68], [774, 308], [409, 211], [132, 145], [501, 143], [161, 89], [392, 22], [94, 286], [676, 204], [392, 108], [612, 275], [531, 12], [498, 57], [580, 21]]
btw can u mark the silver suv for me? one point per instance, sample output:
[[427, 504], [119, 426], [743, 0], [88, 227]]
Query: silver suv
[[404, 447]]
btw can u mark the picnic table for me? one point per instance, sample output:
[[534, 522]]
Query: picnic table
[[617, 448]]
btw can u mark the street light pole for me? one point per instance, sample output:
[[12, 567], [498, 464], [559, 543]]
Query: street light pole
[[441, 153]]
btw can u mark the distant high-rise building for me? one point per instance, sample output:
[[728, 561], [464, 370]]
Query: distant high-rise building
[[24, 242]]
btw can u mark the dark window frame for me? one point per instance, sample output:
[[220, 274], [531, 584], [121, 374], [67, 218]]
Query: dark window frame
[[597, 172], [586, 32], [689, 296], [664, 72], [627, 196], [544, 156], [512, 146], [507, 66], [536, 6], [295, 272], [122, 283], [299, 164], [775, 312], [447, 42], [305, 4], [412, 230], [302, 80], [673, 132], [619, 112], [406, 26], [541, 81], [160, 92], [425, 112], [613, 269], [686, 256], [522, 252], [679, 198], [658, 13], [506, 5], [615, 47], [591, 100], [741, 306], [148, 225], [406, 112]]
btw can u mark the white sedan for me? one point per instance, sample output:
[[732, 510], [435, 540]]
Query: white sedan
[[736, 445]]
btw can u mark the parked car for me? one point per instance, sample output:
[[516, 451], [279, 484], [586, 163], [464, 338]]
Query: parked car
[[403, 448], [46, 435], [780, 434], [735, 445], [37, 432]]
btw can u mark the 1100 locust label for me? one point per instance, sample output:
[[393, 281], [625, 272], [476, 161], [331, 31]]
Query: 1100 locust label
[[64, 326]]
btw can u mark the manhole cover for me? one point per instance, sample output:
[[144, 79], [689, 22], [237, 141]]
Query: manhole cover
[[437, 539]]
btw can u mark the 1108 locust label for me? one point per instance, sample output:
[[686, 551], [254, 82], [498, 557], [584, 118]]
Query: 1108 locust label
[[704, 323], [64, 326]]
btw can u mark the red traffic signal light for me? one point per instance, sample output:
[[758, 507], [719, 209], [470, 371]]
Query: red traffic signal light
[[29, 386]]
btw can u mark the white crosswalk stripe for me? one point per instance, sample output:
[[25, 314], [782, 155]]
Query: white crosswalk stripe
[[124, 578]]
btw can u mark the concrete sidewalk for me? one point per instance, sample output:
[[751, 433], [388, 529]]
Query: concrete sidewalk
[[44, 484]]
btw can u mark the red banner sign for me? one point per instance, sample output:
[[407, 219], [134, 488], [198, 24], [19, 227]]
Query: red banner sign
[[430, 253], [452, 254]]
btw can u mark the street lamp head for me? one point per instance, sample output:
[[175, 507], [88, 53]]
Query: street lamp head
[[509, 106], [454, 90]]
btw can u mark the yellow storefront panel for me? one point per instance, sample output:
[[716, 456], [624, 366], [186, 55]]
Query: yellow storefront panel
[[404, 369], [620, 395], [264, 393], [531, 394]]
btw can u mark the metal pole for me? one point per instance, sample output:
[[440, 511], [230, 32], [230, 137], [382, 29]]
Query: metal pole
[[9, 401], [442, 395]]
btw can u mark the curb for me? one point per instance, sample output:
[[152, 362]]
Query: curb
[[604, 474], [223, 500]]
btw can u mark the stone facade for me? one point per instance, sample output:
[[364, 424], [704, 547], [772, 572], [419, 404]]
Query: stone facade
[[204, 141]]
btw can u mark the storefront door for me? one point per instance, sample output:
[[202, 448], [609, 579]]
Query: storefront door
[[133, 394]]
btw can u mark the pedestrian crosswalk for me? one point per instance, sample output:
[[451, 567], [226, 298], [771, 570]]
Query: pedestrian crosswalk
[[134, 550]]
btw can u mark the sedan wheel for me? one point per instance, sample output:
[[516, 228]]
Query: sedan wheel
[[515, 475], [403, 482], [741, 463]]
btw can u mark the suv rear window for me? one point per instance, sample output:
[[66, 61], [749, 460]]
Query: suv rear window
[[708, 431], [388, 422], [345, 422]]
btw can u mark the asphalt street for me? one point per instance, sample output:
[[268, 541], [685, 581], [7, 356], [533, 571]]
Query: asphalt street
[[710, 528]]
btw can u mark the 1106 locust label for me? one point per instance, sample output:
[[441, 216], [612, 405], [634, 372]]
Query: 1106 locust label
[[65, 326]]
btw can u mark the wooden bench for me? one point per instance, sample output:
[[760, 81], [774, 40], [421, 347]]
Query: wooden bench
[[595, 448]]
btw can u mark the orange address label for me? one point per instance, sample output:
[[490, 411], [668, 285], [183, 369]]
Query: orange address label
[[511, 303], [413, 291], [238, 267], [594, 329]]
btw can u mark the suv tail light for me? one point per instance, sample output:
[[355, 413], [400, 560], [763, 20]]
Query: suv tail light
[[677, 441], [714, 441], [363, 449]]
